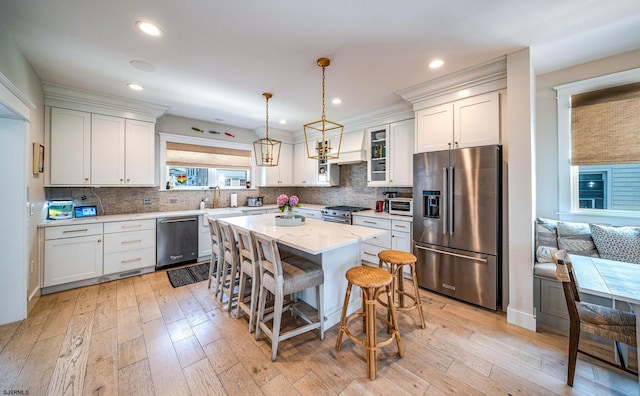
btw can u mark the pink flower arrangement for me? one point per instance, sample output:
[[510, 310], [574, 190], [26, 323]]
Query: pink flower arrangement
[[285, 202]]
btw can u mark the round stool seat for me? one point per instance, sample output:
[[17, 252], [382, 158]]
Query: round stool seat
[[369, 276], [397, 257]]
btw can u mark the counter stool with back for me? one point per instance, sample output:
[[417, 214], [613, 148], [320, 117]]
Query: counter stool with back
[[395, 261]]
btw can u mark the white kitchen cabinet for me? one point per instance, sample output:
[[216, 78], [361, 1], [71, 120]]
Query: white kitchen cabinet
[[281, 175], [310, 213], [204, 235], [396, 237], [129, 245], [70, 149], [390, 158], [469, 122], [72, 253], [100, 150], [310, 172]]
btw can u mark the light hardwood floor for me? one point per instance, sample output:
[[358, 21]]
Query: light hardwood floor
[[140, 336]]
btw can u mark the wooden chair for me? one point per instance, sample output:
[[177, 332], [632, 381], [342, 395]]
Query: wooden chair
[[215, 268], [249, 272], [230, 264], [614, 324], [281, 278]]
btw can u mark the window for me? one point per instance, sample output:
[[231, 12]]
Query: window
[[196, 163], [599, 131]]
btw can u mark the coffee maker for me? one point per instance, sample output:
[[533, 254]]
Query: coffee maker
[[383, 206]]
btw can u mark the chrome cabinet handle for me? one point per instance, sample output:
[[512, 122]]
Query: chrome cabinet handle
[[132, 241], [130, 261], [82, 230]]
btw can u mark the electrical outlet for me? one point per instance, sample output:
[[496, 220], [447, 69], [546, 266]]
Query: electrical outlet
[[146, 201], [33, 264], [173, 200]]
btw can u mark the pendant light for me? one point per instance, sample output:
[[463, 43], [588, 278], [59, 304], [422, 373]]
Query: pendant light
[[267, 151], [318, 135]]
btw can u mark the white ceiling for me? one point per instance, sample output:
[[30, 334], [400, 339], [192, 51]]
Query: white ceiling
[[216, 58]]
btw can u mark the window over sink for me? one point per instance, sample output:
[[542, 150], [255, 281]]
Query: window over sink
[[194, 163]]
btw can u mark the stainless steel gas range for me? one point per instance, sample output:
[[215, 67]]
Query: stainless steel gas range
[[339, 214]]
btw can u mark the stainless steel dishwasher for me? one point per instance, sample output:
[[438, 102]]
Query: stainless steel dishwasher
[[176, 240]]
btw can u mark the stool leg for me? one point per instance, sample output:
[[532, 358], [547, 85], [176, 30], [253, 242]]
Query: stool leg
[[343, 320], [371, 337], [398, 274], [394, 322], [417, 292]]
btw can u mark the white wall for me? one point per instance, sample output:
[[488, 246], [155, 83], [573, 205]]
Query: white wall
[[15, 67], [519, 158], [547, 128]]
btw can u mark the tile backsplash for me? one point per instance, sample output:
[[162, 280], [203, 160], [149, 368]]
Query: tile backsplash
[[353, 190]]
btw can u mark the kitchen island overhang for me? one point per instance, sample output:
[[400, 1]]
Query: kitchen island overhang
[[334, 247]]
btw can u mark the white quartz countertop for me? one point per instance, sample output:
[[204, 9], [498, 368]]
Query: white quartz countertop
[[156, 215], [382, 215], [314, 236]]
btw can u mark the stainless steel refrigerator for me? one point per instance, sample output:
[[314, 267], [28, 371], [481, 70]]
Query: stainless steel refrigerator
[[457, 223]]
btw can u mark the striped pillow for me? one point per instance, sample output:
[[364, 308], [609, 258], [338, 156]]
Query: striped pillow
[[575, 238]]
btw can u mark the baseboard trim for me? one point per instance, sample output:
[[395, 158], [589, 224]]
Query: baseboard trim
[[521, 319]]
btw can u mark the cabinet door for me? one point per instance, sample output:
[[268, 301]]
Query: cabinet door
[[107, 150], [72, 259], [139, 152], [281, 175], [401, 153], [377, 161], [434, 128], [303, 167], [477, 120], [70, 147]]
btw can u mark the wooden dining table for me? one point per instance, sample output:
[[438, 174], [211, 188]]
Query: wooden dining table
[[616, 280]]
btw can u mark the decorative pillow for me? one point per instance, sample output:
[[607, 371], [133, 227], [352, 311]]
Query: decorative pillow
[[617, 243], [575, 238], [546, 239]]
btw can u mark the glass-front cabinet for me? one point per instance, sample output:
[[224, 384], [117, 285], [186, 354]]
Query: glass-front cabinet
[[377, 170]]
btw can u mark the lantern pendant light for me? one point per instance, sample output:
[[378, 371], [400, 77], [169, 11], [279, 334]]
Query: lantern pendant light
[[266, 150], [318, 135]]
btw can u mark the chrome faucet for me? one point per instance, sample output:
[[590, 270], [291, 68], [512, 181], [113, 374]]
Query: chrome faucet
[[216, 196]]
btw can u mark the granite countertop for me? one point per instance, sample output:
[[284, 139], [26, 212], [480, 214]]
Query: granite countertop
[[155, 215], [382, 215], [314, 236]]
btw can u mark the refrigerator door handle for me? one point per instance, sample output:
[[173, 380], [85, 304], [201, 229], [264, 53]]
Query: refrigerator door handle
[[445, 205], [450, 213], [452, 254]]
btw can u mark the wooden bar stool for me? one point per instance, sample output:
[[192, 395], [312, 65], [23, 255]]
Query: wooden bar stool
[[395, 260], [371, 280]]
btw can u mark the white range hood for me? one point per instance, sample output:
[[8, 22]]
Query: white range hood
[[351, 150]]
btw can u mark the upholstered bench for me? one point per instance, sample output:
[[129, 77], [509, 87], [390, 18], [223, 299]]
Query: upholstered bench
[[612, 243]]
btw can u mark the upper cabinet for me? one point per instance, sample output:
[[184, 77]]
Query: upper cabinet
[[474, 121], [281, 175], [100, 150], [390, 159], [311, 172]]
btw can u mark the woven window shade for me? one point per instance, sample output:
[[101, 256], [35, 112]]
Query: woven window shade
[[605, 126], [195, 156]]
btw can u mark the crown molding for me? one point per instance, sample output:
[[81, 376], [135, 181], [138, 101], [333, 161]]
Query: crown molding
[[16, 103], [488, 72], [397, 111], [55, 94], [279, 134]]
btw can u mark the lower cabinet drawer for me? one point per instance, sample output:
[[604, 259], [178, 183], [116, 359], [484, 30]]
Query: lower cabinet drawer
[[72, 231], [125, 261], [127, 241], [384, 240], [369, 253]]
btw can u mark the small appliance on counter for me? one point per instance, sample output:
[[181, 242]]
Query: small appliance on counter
[[60, 210], [85, 211], [401, 206], [254, 201]]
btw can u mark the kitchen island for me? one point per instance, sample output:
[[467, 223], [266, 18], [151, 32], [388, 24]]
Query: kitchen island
[[335, 247]]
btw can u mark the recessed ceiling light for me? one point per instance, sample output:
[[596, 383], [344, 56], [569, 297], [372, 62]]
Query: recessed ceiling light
[[436, 63], [336, 101], [283, 121], [142, 65], [149, 28], [135, 87]]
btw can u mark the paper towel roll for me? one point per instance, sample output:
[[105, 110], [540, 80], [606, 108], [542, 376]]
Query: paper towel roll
[[234, 200]]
